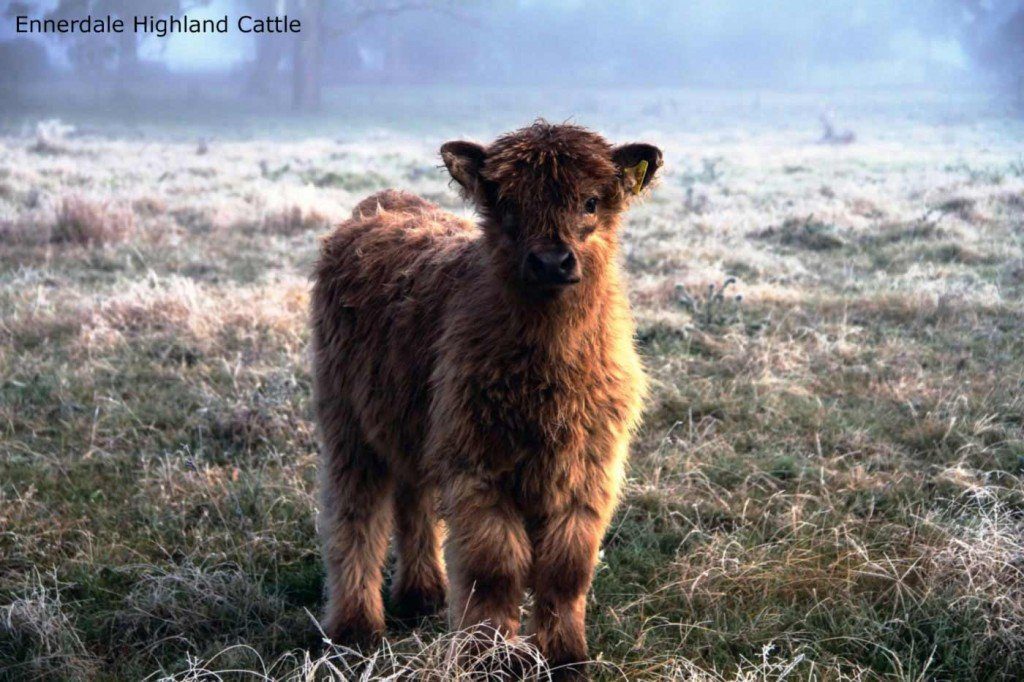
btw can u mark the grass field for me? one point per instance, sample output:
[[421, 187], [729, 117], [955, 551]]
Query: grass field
[[827, 485]]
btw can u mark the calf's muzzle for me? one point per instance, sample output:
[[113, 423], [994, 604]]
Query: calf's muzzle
[[551, 267]]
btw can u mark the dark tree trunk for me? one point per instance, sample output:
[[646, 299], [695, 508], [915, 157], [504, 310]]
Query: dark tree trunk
[[269, 53], [306, 77]]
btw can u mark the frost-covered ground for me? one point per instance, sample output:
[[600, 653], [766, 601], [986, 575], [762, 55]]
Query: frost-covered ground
[[827, 485]]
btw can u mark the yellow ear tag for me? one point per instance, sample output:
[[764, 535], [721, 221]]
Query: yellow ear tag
[[639, 172]]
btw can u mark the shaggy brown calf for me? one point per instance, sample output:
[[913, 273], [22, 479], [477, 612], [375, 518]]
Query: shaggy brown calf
[[487, 367]]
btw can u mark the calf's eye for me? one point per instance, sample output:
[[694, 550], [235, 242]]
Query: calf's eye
[[591, 205]]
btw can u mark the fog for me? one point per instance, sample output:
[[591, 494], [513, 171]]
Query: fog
[[350, 55]]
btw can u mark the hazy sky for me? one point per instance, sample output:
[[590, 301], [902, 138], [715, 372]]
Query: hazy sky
[[186, 53], [785, 42]]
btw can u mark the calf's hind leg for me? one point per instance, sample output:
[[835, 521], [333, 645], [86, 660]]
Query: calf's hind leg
[[355, 523], [419, 586]]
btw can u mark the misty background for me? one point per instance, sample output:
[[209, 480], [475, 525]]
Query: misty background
[[353, 57]]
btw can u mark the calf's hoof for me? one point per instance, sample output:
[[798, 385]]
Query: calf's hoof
[[354, 633], [417, 601], [570, 672]]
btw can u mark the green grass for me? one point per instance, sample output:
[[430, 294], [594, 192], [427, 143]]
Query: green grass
[[827, 484]]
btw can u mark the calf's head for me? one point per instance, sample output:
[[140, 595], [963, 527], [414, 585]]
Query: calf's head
[[550, 197]]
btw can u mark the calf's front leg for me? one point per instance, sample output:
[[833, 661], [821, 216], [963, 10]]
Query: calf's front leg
[[565, 553], [488, 557]]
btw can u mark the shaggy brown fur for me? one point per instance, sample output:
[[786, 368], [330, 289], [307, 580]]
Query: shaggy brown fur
[[489, 367]]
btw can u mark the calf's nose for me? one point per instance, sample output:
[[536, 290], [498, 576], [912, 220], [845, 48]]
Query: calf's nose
[[556, 266]]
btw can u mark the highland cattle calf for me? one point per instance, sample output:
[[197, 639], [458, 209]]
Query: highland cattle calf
[[483, 374]]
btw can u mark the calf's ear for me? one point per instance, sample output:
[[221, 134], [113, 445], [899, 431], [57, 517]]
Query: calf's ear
[[638, 163], [464, 161]]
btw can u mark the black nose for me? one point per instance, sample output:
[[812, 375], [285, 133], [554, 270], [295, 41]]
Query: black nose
[[556, 267]]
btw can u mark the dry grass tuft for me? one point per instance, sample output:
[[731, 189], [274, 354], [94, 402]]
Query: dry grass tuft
[[191, 603], [805, 233], [180, 308], [461, 656], [51, 137], [984, 558], [149, 206], [91, 223], [39, 640], [293, 220]]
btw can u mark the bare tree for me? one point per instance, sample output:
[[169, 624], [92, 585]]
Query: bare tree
[[993, 35], [269, 53], [324, 22], [308, 57]]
